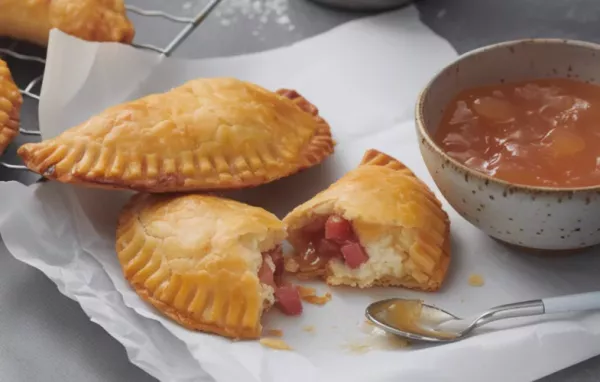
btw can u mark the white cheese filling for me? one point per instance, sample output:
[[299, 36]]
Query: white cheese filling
[[384, 261]]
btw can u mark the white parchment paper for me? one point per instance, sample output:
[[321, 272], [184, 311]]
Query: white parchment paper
[[364, 77]]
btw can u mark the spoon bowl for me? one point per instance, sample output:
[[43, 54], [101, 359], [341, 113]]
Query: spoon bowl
[[429, 318]]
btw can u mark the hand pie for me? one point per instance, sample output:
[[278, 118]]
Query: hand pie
[[379, 225], [10, 107], [92, 20], [209, 263], [209, 134]]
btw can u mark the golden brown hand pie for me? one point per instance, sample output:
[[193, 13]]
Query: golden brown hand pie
[[92, 20], [377, 225], [207, 134], [10, 107], [209, 263]]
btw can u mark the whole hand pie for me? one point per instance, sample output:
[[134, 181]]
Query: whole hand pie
[[92, 20], [10, 107], [209, 263], [379, 225], [208, 134]]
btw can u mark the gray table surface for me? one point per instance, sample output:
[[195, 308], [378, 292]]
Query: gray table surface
[[45, 336]]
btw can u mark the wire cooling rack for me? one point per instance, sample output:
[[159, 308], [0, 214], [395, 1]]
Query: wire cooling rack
[[190, 23]]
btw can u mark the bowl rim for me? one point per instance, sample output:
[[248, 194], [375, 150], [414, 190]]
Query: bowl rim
[[420, 120]]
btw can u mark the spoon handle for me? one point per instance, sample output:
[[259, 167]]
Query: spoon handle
[[572, 303], [514, 310]]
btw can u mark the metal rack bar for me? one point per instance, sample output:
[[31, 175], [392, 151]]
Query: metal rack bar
[[24, 57], [149, 47], [14, 166], [191, 25], [143, 12], [28, 92], [201, 16]]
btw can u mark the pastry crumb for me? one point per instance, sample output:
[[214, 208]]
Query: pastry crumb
[[476, 280], [310, 295], [275, 343], [318, 300], [309, 329], [359, 348], [375, 339], [306, 291], [274, 332], [376, 342]]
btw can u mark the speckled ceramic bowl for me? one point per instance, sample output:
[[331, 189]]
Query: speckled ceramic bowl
[[532, 217]]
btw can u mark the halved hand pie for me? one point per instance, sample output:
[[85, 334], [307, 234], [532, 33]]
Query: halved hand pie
[[377, 225], [209, 263], [93, 20], [10, 107], [208, 134]]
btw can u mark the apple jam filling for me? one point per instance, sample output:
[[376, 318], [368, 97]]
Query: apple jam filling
[[327, 238]]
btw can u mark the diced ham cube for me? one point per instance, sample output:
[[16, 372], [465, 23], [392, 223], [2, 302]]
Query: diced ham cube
[[266, 273], [288, 298], [279, 263], [354, 255], [338, 229]]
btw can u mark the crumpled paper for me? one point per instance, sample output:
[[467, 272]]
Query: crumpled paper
[[364, 76]]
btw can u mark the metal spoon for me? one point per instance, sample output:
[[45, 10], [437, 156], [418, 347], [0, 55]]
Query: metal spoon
[[437, 325]]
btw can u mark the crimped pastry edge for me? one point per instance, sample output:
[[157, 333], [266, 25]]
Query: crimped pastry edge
[[126, 220], [10, 129], [320, 146], [105, 21]]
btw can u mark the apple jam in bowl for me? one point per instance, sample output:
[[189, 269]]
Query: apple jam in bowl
[[511, 136]]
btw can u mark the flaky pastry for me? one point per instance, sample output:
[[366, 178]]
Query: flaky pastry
[[10, 107], [92, 20], [379, 225], [210, 264], [208, 134]]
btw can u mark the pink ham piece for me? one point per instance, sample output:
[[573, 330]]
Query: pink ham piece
[[338, 229], [278, 261], [265, 273], [354, 255], [288, 298]]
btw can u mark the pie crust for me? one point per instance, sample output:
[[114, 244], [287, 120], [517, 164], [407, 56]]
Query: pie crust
[[196, 259], [10, 107], [208, 134], [92, 20], [396, 219]]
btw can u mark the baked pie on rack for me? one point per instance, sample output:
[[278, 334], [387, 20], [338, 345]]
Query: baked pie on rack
[[379, 225], [209, 263], [92, 20], [10, 107], [208, 134]]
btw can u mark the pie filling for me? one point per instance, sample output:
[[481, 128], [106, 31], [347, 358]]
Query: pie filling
[[270, 273], [327, 238]]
